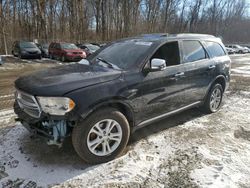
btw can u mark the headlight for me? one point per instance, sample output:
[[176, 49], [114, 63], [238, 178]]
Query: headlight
[[56, 105]]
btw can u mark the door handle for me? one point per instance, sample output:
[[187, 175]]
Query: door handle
[[179, 74], [211, 67]]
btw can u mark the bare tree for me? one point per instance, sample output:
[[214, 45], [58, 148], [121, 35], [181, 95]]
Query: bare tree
[[104, 20]]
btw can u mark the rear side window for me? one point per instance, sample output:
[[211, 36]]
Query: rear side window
[[193, 51], [215, 49]]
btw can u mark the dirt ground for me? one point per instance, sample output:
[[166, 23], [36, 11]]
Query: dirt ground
[[190, 149]]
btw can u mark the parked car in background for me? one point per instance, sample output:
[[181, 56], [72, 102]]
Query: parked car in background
[[44, 49], [88, 48], [95, 43], [238, 49], [247, 49], [65, 51], [230, 50], [103, 44], [23, 49], [1, 60], [101, 100]]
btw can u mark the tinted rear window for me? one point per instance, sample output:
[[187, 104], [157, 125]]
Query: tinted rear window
[[215, 49], [193, 51]]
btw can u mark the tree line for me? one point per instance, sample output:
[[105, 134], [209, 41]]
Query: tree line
[[106, 20]]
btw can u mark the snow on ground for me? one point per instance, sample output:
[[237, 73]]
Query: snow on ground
[[242, 70], [6, 116], [188, 150]]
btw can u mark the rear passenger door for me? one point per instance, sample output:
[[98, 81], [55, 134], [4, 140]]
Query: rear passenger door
[[219, 56], [199, 70]]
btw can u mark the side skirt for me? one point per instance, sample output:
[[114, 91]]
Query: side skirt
[[160, 117]]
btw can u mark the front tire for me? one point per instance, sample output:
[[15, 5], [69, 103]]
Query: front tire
[[63, 59], [20, 56], [214, 99], [51, 56], [102, 136]]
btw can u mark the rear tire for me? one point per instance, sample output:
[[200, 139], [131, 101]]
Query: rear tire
[[102, 136], [214, 99]]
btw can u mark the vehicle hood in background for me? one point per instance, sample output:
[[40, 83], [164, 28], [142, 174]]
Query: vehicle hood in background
[[31, 49]]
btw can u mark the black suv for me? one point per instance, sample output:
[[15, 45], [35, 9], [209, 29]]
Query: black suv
[[126, 85], [24, 49]]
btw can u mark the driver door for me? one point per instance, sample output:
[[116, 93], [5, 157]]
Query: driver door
[[162, 91]]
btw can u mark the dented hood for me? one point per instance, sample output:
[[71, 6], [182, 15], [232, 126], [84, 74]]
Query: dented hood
[[60, 80]]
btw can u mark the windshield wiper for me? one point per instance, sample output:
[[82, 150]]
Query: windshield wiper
[[110, 65]]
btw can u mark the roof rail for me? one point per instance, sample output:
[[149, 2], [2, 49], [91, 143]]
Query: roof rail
[[192, 35], [154, 35]]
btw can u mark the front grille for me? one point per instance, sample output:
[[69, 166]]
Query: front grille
[[28, 104], [77, 52], [32, 53]]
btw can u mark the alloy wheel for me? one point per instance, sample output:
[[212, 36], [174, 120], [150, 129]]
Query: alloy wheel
[[215, 99], [104, 137]]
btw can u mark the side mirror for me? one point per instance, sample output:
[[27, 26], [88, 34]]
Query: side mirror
[[158, 64]]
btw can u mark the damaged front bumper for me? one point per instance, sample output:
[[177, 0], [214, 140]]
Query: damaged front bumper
[[54, 130]]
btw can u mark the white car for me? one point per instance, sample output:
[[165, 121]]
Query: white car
[[230, 50], [247, 49], [238, 49]]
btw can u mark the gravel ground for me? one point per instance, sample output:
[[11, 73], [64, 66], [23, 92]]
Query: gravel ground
[[190, 149]]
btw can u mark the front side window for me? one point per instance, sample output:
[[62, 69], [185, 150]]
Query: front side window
[[215, 49], [193, 51], [169, 52]]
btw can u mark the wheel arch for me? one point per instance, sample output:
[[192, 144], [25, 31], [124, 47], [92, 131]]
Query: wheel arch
[[116, 103], [221, 79]]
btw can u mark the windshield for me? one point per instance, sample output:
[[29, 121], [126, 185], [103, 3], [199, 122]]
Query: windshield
[[27, 45], [68, 46], [124, 54], [93, 47]]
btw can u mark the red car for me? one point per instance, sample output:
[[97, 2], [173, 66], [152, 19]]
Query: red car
[[65, 52]]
